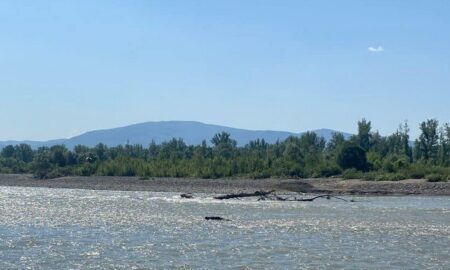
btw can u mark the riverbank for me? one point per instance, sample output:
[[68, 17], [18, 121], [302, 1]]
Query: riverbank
[[221, 186]]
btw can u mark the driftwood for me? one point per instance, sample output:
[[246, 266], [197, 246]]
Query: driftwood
[[327, 196], [217, 218], [262, 195], [265, 195], [270, 195], [243, 195], [186, 196]]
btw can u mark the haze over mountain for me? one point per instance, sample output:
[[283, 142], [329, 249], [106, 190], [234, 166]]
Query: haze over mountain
[[190, 131]]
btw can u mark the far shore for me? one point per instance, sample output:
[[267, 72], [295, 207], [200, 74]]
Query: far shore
[[334, 186]]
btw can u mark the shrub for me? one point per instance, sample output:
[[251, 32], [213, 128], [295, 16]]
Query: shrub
[[55, 173], [390, 177], [435, 178], [374, 159], [352, 174], [85, 170], [59, 172], [260, 175], [417, 175], [326, 170], [396, 177], [370, 176], [395, 163], [418, 171]]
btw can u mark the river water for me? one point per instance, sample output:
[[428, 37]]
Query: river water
[[81, 229]]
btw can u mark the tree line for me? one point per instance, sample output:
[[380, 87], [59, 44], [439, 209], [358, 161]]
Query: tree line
[[366, 155]]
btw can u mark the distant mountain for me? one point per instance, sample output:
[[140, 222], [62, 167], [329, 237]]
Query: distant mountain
[[191, 132], [33, 144]]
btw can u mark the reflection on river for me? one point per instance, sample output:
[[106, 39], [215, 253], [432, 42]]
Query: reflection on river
[[80, 229]]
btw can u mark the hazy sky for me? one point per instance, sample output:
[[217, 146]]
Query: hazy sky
[[71, 66]]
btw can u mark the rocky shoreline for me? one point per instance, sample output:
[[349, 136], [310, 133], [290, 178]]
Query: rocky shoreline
[[221, 186]]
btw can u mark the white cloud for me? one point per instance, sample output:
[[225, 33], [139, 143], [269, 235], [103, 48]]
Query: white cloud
[[375, 49]]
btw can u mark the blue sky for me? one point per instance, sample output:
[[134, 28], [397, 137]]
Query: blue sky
[[71, 66]]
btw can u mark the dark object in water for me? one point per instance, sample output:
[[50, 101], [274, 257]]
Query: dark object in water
[[186, 196], [217, 218], [270, 195], [242, 195]]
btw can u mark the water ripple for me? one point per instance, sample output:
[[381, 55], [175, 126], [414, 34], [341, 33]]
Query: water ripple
[[80, 229]]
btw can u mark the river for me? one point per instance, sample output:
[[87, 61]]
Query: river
[[44, 228]]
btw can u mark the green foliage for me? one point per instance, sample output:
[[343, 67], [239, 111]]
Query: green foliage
[[417, 171], [421, 170], [435, 178], [374, 159], [352, 174], [336, 142], [398, 143], [328, 171], [364, 135], [8, 151], [367, 155], [427, 146], [394, 163], [390, 177], [223, 145], [42, 164], [352, 157]]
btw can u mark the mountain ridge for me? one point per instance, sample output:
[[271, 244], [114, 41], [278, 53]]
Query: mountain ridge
[[192, 132]]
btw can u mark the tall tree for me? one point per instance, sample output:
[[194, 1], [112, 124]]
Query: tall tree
[[444, 148], [337, 140], [23, 152], [312, 147], [58, 155], [427, 145], [223, 145], [101, 151], [352, 156], [8, 151], [398, 143], [364, 135]]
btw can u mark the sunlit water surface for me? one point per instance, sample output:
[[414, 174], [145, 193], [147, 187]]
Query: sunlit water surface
[[81, 229]]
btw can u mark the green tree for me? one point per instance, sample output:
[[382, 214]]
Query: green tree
[[23, 152], [364, 135], [352, 156], [292, 150], [8, 151], [444, 148], [153, 149], [58, 155], [42, 163], [101, 151], [336, 142], [398, 143], [427, 145], [293, 161], [224, 146], [379, 144], [312, 147]]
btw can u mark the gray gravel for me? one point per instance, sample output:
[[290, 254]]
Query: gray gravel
[[221, 186]]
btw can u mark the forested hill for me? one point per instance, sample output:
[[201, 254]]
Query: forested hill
[[191, 132]]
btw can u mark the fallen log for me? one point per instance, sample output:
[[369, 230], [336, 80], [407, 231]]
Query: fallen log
[[243, 195], [327, 196], [186, 196], [217, 218], [270, 195]]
